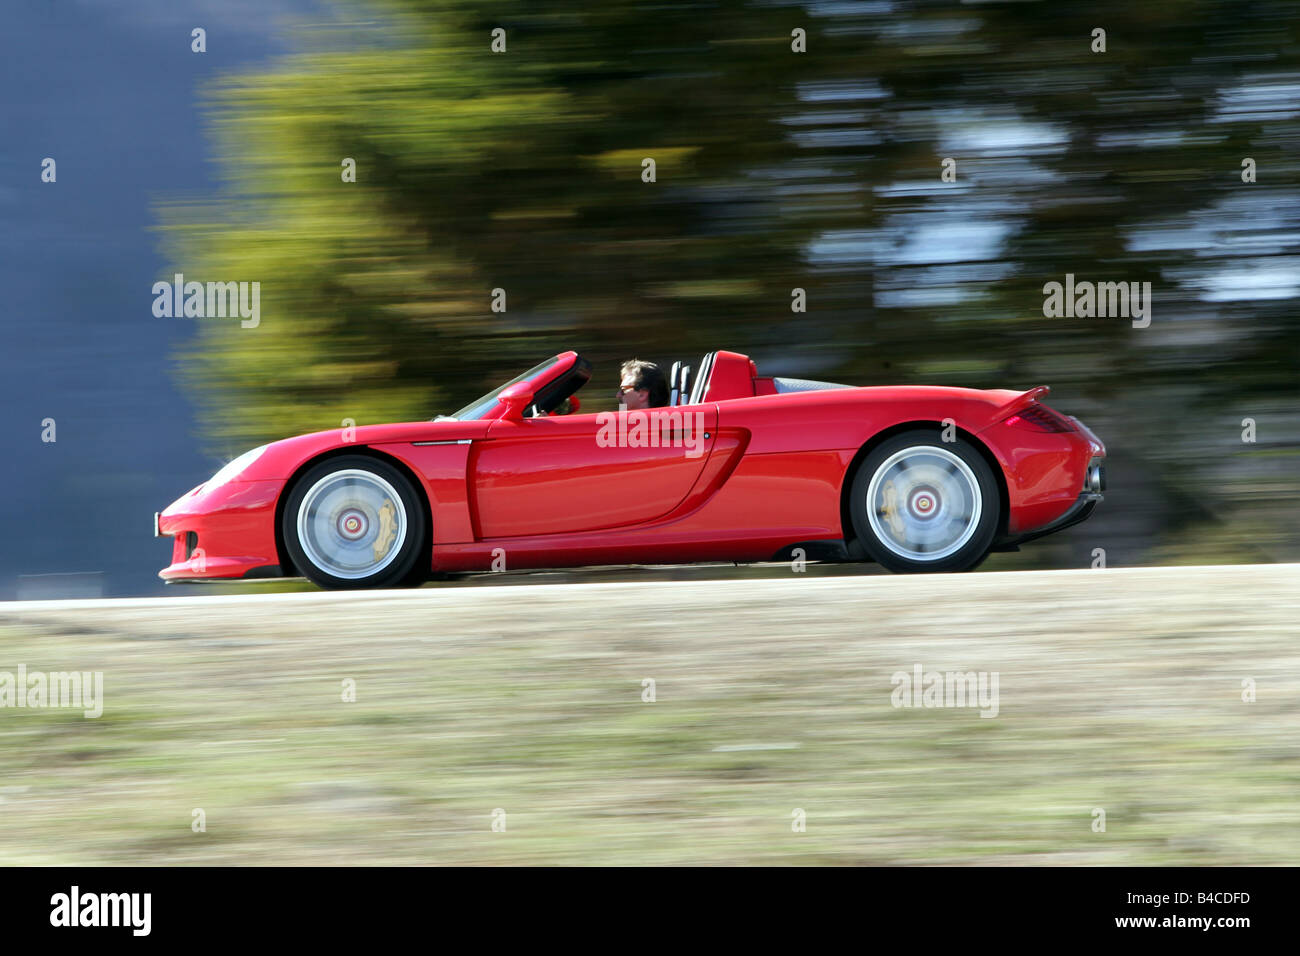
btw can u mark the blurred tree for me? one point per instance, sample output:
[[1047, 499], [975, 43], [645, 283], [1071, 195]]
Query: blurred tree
[[775, 169], [475, 171]]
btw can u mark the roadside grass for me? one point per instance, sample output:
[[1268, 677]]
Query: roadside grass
[[493, 702]]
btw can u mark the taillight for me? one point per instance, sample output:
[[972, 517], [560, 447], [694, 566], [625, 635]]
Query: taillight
[[1040, 418]]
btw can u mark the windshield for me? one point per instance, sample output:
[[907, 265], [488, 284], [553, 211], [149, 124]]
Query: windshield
[[481, 406]]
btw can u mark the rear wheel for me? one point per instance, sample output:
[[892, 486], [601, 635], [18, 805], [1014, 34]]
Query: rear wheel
[[919, 503], [356, 522]]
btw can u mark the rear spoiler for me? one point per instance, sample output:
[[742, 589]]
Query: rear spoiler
[[1020, 401]]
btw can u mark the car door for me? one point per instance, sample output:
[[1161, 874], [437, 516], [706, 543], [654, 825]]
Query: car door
[[576, 473]]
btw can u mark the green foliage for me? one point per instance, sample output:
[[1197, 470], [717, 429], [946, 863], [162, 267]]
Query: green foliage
[[776, 170]]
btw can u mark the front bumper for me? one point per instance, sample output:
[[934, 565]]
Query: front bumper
[[222, 533]]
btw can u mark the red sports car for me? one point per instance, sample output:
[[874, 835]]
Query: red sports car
[[737, 467]]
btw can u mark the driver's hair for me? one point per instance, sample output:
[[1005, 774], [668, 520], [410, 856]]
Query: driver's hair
[[648, 376]]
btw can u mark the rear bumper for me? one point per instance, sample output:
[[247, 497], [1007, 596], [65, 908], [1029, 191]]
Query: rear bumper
[[224, 533], [1077, 512], [1045, 474]]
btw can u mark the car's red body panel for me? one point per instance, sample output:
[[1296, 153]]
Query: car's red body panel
[[757, 471]]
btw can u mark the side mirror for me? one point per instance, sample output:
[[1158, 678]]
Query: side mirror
[[516, 398]]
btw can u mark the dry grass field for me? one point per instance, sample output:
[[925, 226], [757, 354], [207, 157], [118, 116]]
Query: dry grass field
[[1118, 690]]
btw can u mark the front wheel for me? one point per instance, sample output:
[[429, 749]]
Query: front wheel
[[919, 503], [356, 522]]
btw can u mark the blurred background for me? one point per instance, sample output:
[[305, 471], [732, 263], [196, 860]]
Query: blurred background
[[522, 170]]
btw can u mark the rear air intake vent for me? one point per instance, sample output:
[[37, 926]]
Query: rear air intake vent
[[1041, 418]]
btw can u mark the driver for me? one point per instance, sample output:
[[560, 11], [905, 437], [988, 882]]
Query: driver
[[643, 385]]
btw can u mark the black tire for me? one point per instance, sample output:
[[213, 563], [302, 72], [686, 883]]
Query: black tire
[[343, 540], [947, 478]]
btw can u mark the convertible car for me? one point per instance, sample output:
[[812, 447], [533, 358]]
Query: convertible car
[[737, 467]]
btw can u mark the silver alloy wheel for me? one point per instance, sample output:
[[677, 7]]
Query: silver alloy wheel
[[924, 503], [352, 524]]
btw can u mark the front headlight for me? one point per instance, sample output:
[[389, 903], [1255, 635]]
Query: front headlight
[[232, 469]]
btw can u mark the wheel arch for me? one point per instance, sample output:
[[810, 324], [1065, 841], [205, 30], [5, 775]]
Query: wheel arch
[[846, 519], [286, 563]]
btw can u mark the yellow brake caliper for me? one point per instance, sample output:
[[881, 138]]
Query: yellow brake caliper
[[387, 530], [889, 508]]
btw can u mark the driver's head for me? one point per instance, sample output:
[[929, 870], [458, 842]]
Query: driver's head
[[642, 385]]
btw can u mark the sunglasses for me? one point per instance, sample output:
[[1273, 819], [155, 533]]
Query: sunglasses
[[622, 389]]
